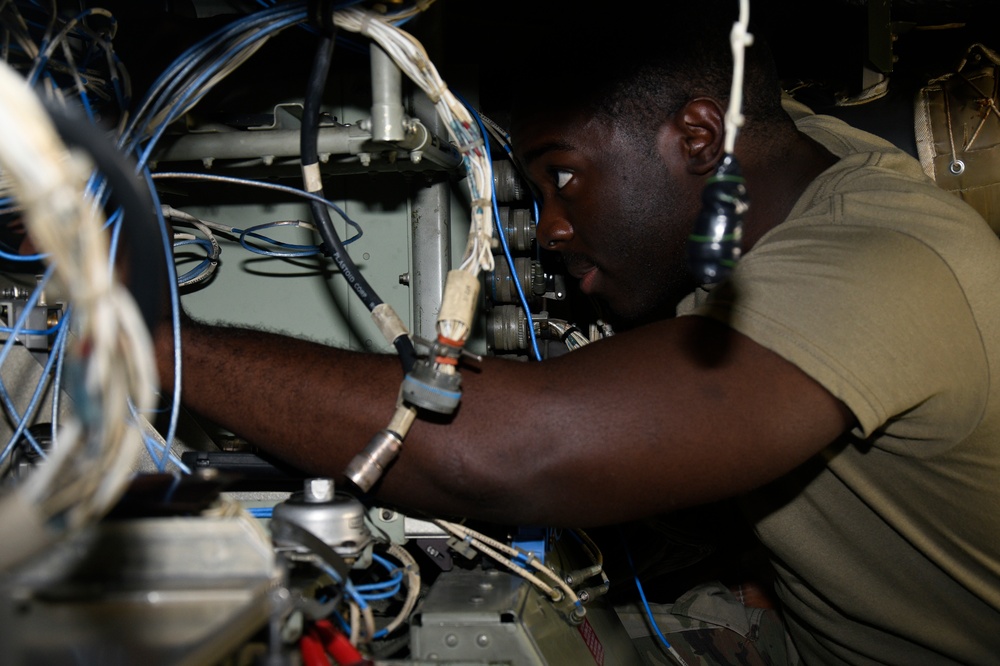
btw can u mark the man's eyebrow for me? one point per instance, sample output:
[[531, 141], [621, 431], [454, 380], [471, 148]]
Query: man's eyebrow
[[549, 146]]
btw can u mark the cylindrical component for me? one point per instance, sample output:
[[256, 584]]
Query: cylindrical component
[[338, 520], [387, 97], [529, 273], [507, 328], [366, 468], [508, 183], [429, 387], [517, 227]]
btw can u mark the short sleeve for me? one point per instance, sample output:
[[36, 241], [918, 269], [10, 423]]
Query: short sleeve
[[873, 315]]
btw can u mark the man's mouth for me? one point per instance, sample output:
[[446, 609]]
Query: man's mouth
[[584, 270]]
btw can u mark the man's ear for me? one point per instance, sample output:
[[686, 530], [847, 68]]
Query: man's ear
[[697, 131]]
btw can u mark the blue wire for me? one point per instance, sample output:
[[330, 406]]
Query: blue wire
[[272, 186], [197, 85], [8, 345], [642, 596], [29, 410], [175, 403], [388, 587], [261, 511], [502, 236], [21, 257], [203, 265], [43, 61], [299, 251], [153, 446], [348, 585], [187, 61]]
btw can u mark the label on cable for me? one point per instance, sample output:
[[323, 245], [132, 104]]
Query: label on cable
[[312, 178]]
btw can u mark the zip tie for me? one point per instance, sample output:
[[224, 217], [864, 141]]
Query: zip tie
[[468, 147], [569, 331]]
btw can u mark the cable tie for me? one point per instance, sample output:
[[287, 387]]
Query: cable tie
[[569, 331], [468, 147]]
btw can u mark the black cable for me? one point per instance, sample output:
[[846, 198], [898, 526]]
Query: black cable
[[144, 252], [309, 149]]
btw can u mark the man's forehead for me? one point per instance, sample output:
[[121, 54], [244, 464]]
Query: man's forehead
[[550, 132]]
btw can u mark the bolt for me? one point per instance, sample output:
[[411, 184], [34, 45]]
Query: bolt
[[318, 490]]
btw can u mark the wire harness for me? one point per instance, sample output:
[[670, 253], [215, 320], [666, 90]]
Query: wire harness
[[434, 382], [109, 367]]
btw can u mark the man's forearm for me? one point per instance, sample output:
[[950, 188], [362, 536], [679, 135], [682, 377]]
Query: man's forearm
[[306, 402]]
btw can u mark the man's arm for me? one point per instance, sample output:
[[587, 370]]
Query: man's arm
[[671, 415]]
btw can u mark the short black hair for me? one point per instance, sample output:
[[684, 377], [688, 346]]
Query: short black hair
[[637, 70]]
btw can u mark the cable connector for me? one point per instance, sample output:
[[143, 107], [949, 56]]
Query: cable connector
[[368, 466], [714, 245], [434, 382]]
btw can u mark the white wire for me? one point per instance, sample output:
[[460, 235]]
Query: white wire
[[412, 570], [495, 549]]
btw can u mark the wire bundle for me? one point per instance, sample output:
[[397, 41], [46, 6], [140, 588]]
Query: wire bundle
[[70, 60], [464, 132], [110, 372], [197, 71]]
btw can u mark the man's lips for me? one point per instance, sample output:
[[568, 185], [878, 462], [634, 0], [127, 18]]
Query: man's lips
[[583, 270]]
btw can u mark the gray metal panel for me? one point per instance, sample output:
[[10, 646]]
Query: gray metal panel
[[495, 615], [152, 591]]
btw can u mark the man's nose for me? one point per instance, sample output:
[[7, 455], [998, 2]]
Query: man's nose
[[554, 230]]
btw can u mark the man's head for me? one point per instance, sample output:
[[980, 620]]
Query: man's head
[[617, 124]]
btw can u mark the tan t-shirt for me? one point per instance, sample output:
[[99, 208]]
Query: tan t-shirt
[[885, 289]]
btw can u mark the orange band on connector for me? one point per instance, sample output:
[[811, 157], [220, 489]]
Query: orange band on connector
[[446, 360], [451, 343]]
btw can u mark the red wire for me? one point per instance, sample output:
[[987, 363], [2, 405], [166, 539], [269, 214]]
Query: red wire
[[312, 650], [338, 645]]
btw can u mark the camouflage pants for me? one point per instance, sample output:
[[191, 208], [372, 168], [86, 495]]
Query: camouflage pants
[[708, 626]]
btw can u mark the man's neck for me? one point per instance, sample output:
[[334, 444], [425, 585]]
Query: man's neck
[[777, 176]]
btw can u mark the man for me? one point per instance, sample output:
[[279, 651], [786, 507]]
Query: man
[[838, 382]]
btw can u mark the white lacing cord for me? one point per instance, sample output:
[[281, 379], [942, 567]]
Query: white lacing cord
[[739, 39]]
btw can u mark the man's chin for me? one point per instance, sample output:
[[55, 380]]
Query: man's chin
[[623, 319]]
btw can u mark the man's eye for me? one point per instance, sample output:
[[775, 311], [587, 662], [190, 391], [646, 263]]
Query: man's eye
[[563, 178]]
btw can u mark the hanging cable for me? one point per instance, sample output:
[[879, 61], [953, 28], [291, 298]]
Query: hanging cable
[[434, 382], [313, 181]]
